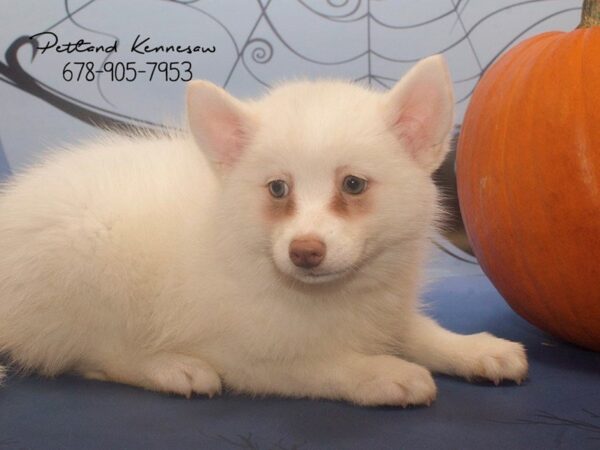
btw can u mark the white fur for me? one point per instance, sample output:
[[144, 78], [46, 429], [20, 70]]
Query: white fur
[[146, 261]]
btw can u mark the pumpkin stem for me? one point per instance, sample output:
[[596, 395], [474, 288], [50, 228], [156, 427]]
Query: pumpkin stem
[[590, 14]]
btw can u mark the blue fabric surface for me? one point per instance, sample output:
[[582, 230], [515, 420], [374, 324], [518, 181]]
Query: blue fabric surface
[[558, 407]]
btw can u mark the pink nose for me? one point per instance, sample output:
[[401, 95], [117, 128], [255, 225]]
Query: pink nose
[[307, 252]]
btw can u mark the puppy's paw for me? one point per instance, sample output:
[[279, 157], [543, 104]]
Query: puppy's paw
[[395, 382], [164, 372], [180, 374], [496, 359]]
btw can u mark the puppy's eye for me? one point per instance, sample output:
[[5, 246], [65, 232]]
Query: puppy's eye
[[278, 188], [354, 185]]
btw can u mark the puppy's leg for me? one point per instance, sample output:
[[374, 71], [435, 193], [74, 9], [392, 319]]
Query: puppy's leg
[[165, 372], [360, 379], [473, 356]]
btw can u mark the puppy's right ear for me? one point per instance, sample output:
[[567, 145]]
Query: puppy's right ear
[[220, 123]]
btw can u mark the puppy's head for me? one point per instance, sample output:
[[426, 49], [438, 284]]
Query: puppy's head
[[319, 178]]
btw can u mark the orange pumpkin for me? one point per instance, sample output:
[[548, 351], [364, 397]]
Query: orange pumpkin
[[528, 174]]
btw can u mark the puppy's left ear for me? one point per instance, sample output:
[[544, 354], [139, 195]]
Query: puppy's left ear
[[420, 111]]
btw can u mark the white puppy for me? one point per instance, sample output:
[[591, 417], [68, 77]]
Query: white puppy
[[276, 249]]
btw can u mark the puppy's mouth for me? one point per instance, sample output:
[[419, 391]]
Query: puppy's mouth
[[314, 277]]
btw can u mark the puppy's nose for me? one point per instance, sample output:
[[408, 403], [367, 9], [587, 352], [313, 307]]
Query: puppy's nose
[[307, 252]]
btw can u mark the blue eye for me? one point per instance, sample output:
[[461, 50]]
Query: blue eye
[[354, 185], [278, 188]]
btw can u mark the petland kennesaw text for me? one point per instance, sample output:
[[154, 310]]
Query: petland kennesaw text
[[48, 40]]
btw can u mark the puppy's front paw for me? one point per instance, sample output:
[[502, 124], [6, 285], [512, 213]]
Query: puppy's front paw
[[165, 372], [182, 375], [496, 359], [395, 382]]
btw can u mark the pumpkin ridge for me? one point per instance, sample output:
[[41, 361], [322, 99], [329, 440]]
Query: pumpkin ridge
[[590, 35], [590, 45], [525, 65], [520, 232], [582, 124], [552, 56], [548, 58]]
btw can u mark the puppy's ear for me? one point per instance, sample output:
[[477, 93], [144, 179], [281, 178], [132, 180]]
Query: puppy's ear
[[420, 111], [220, 123]]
